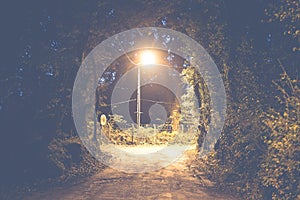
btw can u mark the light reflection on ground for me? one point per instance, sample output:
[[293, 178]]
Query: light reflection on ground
[[144, 158]]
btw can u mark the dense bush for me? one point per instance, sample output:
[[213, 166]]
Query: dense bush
[[280, 170], [71, 158], [258, 156]]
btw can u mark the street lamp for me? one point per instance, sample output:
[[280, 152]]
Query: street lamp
[[147, 58]]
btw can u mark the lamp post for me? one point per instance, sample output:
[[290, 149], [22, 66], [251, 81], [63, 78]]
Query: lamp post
[[147, 59], [138, 101]]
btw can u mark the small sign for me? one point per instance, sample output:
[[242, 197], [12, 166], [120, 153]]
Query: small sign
[[103, 120]]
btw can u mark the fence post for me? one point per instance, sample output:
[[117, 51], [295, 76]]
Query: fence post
[[132, 132]]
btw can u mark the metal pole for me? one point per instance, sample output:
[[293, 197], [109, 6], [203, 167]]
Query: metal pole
[[138, 106]]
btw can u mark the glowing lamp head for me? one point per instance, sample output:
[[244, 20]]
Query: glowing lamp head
[[147, 58]]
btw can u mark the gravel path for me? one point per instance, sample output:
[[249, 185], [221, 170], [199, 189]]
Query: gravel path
[[173, 182]]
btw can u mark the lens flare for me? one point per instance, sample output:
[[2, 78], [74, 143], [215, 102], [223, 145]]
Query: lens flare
[[148, 58]]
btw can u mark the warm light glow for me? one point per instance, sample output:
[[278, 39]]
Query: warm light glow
[[147, 58]]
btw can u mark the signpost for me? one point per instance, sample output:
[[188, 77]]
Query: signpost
[[103, 121]]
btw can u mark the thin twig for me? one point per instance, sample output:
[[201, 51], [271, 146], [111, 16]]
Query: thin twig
[[286, 75]]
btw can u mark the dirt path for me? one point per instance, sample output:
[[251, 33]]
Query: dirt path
[[173, 182]]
